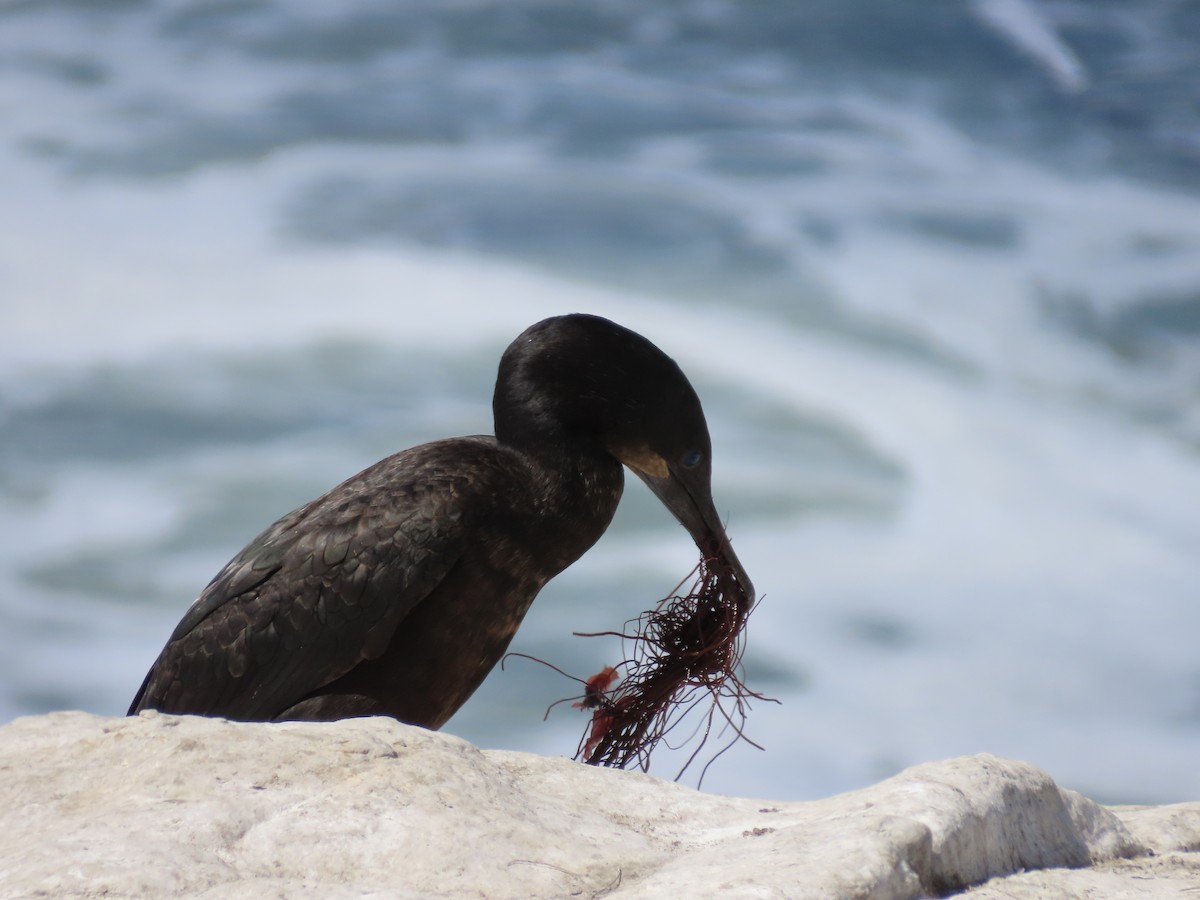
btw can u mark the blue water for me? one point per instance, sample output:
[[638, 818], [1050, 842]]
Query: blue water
[[933, 267]]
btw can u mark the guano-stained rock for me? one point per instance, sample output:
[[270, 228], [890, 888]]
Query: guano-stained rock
[[159, 805]]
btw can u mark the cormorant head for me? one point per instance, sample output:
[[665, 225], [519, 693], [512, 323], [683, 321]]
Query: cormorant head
[[581, 379]]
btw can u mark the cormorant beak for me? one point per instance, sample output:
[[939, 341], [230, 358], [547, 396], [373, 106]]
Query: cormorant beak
[[688, 496]]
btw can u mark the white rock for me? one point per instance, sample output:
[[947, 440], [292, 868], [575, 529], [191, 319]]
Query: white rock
[[160, 806]]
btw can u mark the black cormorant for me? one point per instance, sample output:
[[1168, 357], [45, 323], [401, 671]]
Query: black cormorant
[[398, 591]]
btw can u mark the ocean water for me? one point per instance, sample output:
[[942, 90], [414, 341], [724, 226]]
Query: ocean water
[[934, 269]]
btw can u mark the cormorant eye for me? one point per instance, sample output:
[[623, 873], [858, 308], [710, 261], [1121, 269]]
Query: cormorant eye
[[691, 459]]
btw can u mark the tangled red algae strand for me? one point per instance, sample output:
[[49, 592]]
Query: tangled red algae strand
[[685, 650]]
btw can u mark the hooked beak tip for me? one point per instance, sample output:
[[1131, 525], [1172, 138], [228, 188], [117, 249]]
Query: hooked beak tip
[[692, 505]]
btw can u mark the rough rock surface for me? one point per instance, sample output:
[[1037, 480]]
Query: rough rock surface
[[179, 806]]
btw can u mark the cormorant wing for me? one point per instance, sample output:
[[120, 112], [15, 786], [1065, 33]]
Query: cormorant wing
[[317, 593]]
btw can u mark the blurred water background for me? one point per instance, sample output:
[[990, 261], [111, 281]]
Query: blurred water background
[[933, 267]]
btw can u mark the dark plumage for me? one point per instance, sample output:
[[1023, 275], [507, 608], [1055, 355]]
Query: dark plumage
[[398, 591]]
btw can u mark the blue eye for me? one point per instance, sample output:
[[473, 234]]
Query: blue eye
[[691, 459]]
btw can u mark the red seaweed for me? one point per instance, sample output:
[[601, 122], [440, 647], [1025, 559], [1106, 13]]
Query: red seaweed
[[596, 688], [684, 651]]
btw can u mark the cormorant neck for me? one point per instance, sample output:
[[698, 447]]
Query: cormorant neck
[[568, 465], [576, 488]]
